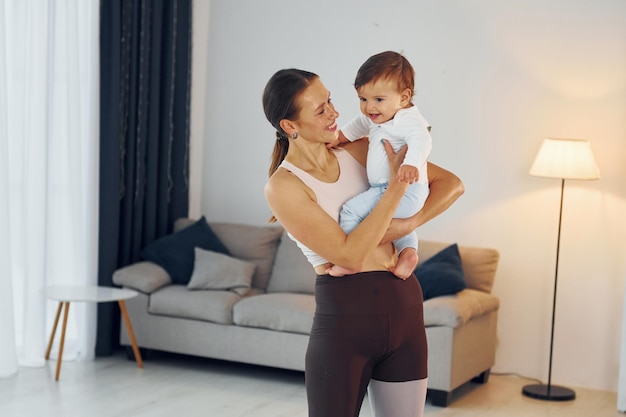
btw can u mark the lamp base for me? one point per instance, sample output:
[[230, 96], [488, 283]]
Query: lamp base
[[548, 392]]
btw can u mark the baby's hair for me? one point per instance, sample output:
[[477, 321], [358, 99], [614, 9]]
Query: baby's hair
[[386, 65]]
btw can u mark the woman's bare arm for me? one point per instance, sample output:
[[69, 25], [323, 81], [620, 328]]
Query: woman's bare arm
[[297, 210], [445, 189]]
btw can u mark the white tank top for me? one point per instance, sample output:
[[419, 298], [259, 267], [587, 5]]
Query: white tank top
[[331, 195]]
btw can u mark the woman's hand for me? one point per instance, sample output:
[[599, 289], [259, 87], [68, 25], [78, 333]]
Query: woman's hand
[[395, 159]]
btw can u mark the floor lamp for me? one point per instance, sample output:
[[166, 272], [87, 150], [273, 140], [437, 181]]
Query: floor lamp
[[565, 159]]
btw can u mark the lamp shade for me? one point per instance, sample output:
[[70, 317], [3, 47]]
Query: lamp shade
[[569, 159]]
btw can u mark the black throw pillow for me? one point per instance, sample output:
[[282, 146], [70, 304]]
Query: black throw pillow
[[175, 252], [442, 274]]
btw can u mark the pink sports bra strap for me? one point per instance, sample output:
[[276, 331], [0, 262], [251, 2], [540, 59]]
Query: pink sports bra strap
[[332, 195]]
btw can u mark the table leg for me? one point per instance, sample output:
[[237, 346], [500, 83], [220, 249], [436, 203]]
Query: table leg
[[54, 329], [60, 358], [131, 334]]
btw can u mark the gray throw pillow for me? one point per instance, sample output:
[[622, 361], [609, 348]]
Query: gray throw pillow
[[292, 272], [216, 271]]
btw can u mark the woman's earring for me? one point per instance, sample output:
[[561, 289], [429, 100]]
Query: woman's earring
[[294, 135]]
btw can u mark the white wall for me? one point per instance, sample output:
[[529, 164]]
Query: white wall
[[493, 78]]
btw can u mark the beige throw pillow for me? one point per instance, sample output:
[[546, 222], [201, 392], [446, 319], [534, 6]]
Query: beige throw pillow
[[216, 271]]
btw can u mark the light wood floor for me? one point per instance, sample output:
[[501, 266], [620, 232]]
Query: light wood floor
[[179, 386]]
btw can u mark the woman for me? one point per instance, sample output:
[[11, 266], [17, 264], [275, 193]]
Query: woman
[[368, 331]]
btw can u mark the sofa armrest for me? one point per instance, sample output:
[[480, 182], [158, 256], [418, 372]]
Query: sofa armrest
[[146, 277], [456, 310]]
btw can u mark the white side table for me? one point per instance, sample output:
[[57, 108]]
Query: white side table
[[90, 294]]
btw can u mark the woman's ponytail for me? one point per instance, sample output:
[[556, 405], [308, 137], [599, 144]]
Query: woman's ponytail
[[281, 146]]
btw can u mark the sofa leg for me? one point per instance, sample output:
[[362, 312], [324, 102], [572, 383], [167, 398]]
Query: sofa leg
[[439, 398], [482, 378]]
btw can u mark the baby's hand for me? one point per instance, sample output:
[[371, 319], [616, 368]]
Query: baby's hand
[[341, 139], [408, 173], [333, 144]]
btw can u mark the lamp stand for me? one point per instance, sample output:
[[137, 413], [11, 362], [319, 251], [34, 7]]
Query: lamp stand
[[551, 392]]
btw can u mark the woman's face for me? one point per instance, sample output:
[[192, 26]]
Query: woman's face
[[317, 120]]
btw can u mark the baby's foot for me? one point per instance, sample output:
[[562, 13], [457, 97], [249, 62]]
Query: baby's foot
[[338, 271], [407, 262]]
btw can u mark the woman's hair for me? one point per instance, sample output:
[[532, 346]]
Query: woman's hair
[[280, 102], [386, 65]]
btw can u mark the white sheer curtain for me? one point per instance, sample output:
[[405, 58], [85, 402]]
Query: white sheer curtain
[[48, 172]]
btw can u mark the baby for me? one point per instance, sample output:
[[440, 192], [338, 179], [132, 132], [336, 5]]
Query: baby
[[385, 85]]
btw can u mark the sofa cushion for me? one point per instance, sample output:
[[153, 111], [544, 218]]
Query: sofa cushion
[[455, 310], [256, 244], [175, 252], [216, 271], [278, 311], [479, 264], [177, 301], [442, 273], [146, 277], [292, 272]]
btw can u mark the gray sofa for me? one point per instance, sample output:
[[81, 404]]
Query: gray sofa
[[269, 324]]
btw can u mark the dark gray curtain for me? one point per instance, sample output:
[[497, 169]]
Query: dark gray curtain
[[145, 63]]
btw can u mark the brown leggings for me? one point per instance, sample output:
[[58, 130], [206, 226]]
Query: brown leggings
[[368, 325]]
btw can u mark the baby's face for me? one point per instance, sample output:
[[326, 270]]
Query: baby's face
[[380, 100]]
